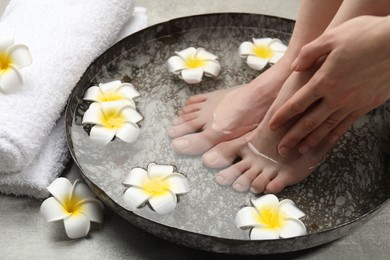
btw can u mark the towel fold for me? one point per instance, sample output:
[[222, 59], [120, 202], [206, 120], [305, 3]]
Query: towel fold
[[64, 37]]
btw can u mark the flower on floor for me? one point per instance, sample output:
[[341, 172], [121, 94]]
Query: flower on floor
[[112, 91], [112, 119], [157, 186], [261, 52], [13, 57], [190, 65], [74, 204], [271, 219]]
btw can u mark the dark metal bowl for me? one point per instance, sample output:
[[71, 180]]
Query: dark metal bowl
[[345, 191]]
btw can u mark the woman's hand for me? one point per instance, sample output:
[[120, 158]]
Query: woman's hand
[[353, 79]]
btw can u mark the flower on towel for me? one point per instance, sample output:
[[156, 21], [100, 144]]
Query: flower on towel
[[13, 57], [190, 65], [112, 91], [262, 51], [74, 204], [158, 186], [110, 119], [271, 219]]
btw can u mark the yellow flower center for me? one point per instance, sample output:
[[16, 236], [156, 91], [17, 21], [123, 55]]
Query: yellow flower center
[[271, 217], [263, 51], [156, 186], [113, 119], [110, 96], [194, 63], [72, 206], [5, 61]]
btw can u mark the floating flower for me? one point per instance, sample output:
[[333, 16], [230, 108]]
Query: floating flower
[[110, 119], [262, 51], [75, 204], [190, 64], [12, 58], [271, 219], [158, 186], [112, 91]]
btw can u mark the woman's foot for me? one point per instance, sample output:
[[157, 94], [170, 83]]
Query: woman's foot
[[262, 168], [193, 132]]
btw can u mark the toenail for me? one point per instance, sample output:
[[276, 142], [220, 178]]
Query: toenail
[[171, 131], [181, 144], [237, 187], [220, 179], [211, 156], [304, 149], [284, 151], [253, 190]]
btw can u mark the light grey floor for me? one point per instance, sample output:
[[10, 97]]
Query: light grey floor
[[25, 235]]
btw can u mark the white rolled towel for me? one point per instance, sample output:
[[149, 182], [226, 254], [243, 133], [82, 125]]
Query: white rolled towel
[[64, 37]]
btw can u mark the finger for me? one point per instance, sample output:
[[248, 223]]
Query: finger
[[196, 99], [295, 105], [190, 108], [343, 127], [312, 52], [310, 121], [319, 134]]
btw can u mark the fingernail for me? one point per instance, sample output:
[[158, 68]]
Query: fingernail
[[181, 144], [294, 65], [284, 151], [304, 149]]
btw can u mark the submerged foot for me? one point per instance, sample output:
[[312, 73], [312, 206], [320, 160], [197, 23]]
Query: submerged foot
[[194, 132], [262, 168]]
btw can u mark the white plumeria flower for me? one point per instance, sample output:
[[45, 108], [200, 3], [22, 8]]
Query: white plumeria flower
[[159, 186], [74, 204], [190, 65], [112, 91], [110, 119], [262, 51], [12, 58], [271, 219]]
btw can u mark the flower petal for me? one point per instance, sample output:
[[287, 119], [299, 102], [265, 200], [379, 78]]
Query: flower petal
[[11, 80], [92, 209], [163, 203], [178, 183], [115, 106], [187, 53], [20, 55], [268, 200], [260, 233], [204, 55], [61, 189], [277, 56], [129, 132], [256, 63], [81, 190], [262, 41], [245, 49], [211, 68], [156, 170], [175, 64], [192, 76], [289, 210], [136, 177], [292, 228], [247, 217], [52, 210], [128, 91], [6, 42], [102, 135], [131, 115], [93, 115], [92, 94], [77, 226], [135, 197], [277, 45], [110, 86]]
